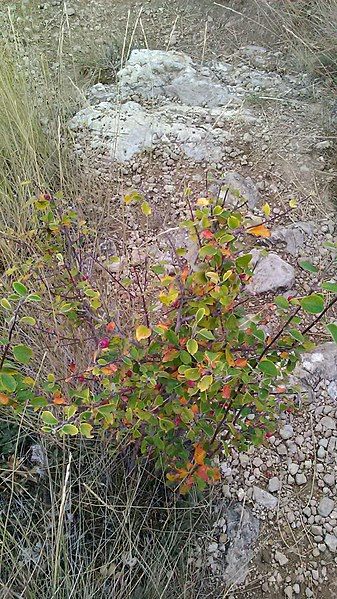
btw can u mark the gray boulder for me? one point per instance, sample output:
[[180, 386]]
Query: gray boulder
[[271, 273], [153, 73], [293, 236], [319, 364], [242, 530]]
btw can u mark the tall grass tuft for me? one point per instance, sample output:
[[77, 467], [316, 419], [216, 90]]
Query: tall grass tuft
[[85, 523]]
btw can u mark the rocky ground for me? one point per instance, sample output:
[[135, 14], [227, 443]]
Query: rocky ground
[[228, 113]]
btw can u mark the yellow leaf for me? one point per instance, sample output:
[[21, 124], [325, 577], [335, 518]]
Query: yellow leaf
[[146, 209], [293, 203], [205, 382], [226, 276], [266, 209], [202, 202], [229, 358], [259, 231], [170, 297], [143, 332], [180, 474], [199, 455], [213, 276], [133, 196]]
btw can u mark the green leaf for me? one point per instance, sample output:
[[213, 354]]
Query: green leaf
[[306, 265], [20, 288], [233, 222], [185, 357], [22, 353], [208, 250], [200, 314], [269, 368], [330, 286], [33, 297], [205, 334], [39, 402], [192, 374], [314, 303], [281, 302], [166, 425], [5, 304], [49, 418], [7, 382], [205, 382], [332, 328], [296, 335], [69, 429], [146, 209], [28, 320], [243, 261], [192, 346]]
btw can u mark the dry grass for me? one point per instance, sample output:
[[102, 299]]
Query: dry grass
[[308, 29], [96, 524]]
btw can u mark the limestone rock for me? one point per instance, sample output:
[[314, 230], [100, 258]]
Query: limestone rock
[[293, 236], [319, 364], [271, 273], [264, 499], [325, 506], [152, 73], [243, 530]]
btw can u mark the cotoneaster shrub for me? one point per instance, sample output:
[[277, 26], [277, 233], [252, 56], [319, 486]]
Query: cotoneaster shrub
[[205, 368]]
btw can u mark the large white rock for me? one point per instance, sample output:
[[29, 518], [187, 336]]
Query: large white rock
[[153, 73], [161, 98], [271, 273]]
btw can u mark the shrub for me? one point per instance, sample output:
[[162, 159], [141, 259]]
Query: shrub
[[196, 376]]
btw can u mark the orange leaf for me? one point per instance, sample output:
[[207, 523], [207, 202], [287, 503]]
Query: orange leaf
[[184, 274], [216, 474], [195, 409], [183, 401], [185, 487], [259, 231], [202, 473], [170, 354], [241, 362], [58, 399], [163, 325], [4, 399], [110, 327], [226, 392], [110, 369], [199, 455]]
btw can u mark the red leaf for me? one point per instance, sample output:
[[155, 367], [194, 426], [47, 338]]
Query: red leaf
[[207, 234], [226, 392]]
